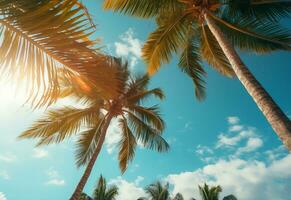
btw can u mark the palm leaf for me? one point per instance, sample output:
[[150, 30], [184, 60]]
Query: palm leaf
[[127, 145], [38, 39], [59, 124], [164, 41], [150, 137], [87, 143], [213, 54], [254, 35], [273, 10], [190, 63], [141, 96]]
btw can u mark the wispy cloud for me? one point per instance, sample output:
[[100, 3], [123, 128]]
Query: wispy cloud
[[2, 196], [40, 153], [233, 119], [129, 47], [54, 178], [8, 157], [4, 175]]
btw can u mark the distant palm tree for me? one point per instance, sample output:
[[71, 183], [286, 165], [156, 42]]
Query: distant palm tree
[[212, 193], [43, 38], [136, 122], [209, 30], [178, 196], [102, 192], [158, 191]]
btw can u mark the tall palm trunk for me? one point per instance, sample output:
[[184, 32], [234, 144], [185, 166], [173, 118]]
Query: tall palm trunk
[[78, 191], [278, 120]]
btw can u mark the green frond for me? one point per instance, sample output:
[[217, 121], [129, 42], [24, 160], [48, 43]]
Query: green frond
[[87, 142], [230, 197], [60, 124], [102, 192], [138, 8], [136, 84], [213, 54], [191, 64], [260, 36], [165, 41], [178, 197], [111, 193], [273, 10], [127, 145], [150, 115], [41, 37], [141, 96], [158, 191], [149, 136], [211, 193]]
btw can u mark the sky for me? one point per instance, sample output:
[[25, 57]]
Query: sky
[[224, 140]]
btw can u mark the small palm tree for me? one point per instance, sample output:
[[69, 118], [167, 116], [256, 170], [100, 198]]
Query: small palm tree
[[157, 191], [102, 192], [178, 196], [42, 38], [212, 193], [136, 122], [209, 30]]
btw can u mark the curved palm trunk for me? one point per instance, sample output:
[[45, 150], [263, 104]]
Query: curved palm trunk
[[278, 120], [77, 193]]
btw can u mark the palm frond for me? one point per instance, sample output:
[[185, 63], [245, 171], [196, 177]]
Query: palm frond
[[213, 54], [141, 96], [150, 115], [38, 39], [127, 145], [139, 8], [87, 143], [60, 124], [111, 192], [261, 36], [273, 10], [191, 64], [149, 136], [164, 41]]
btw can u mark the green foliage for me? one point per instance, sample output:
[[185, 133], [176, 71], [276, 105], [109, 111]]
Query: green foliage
[[181, 29]]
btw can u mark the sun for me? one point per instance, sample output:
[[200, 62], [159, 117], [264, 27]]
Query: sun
[[11, 95]]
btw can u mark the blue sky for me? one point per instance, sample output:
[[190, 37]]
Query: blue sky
[[223, 140]]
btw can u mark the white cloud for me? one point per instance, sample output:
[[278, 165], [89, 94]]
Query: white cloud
[[113, 136], [248, 180], [2, 196], [227, 141], [138, 180], [7, 158], [40, 153], [235, 128], [252, 145], [233, 120], [129, 47], [201, 150], [128, 190], [4, 175], [54, 178]]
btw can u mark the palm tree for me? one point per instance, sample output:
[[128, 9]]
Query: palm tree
[[209, 30], [102, 192], [212, 193], [158, 191], [41, 38], [178, 196], [136, 122]]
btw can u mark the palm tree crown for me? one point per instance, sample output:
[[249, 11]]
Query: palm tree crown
[[102, 191], [42, 38], [137, 123], [181, 28]]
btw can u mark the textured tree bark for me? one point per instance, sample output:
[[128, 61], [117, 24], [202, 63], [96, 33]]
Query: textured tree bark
[[78, 191], [276, 117]]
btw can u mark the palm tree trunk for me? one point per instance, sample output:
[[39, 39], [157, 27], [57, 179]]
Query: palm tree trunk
[[77, 193], [278, 120]]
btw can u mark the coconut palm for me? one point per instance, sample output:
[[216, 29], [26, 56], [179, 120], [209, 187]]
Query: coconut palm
[[102, 191], [178, 196], [137, 123], [40, 38], [209, 30], [212, 193], [158, 191]]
